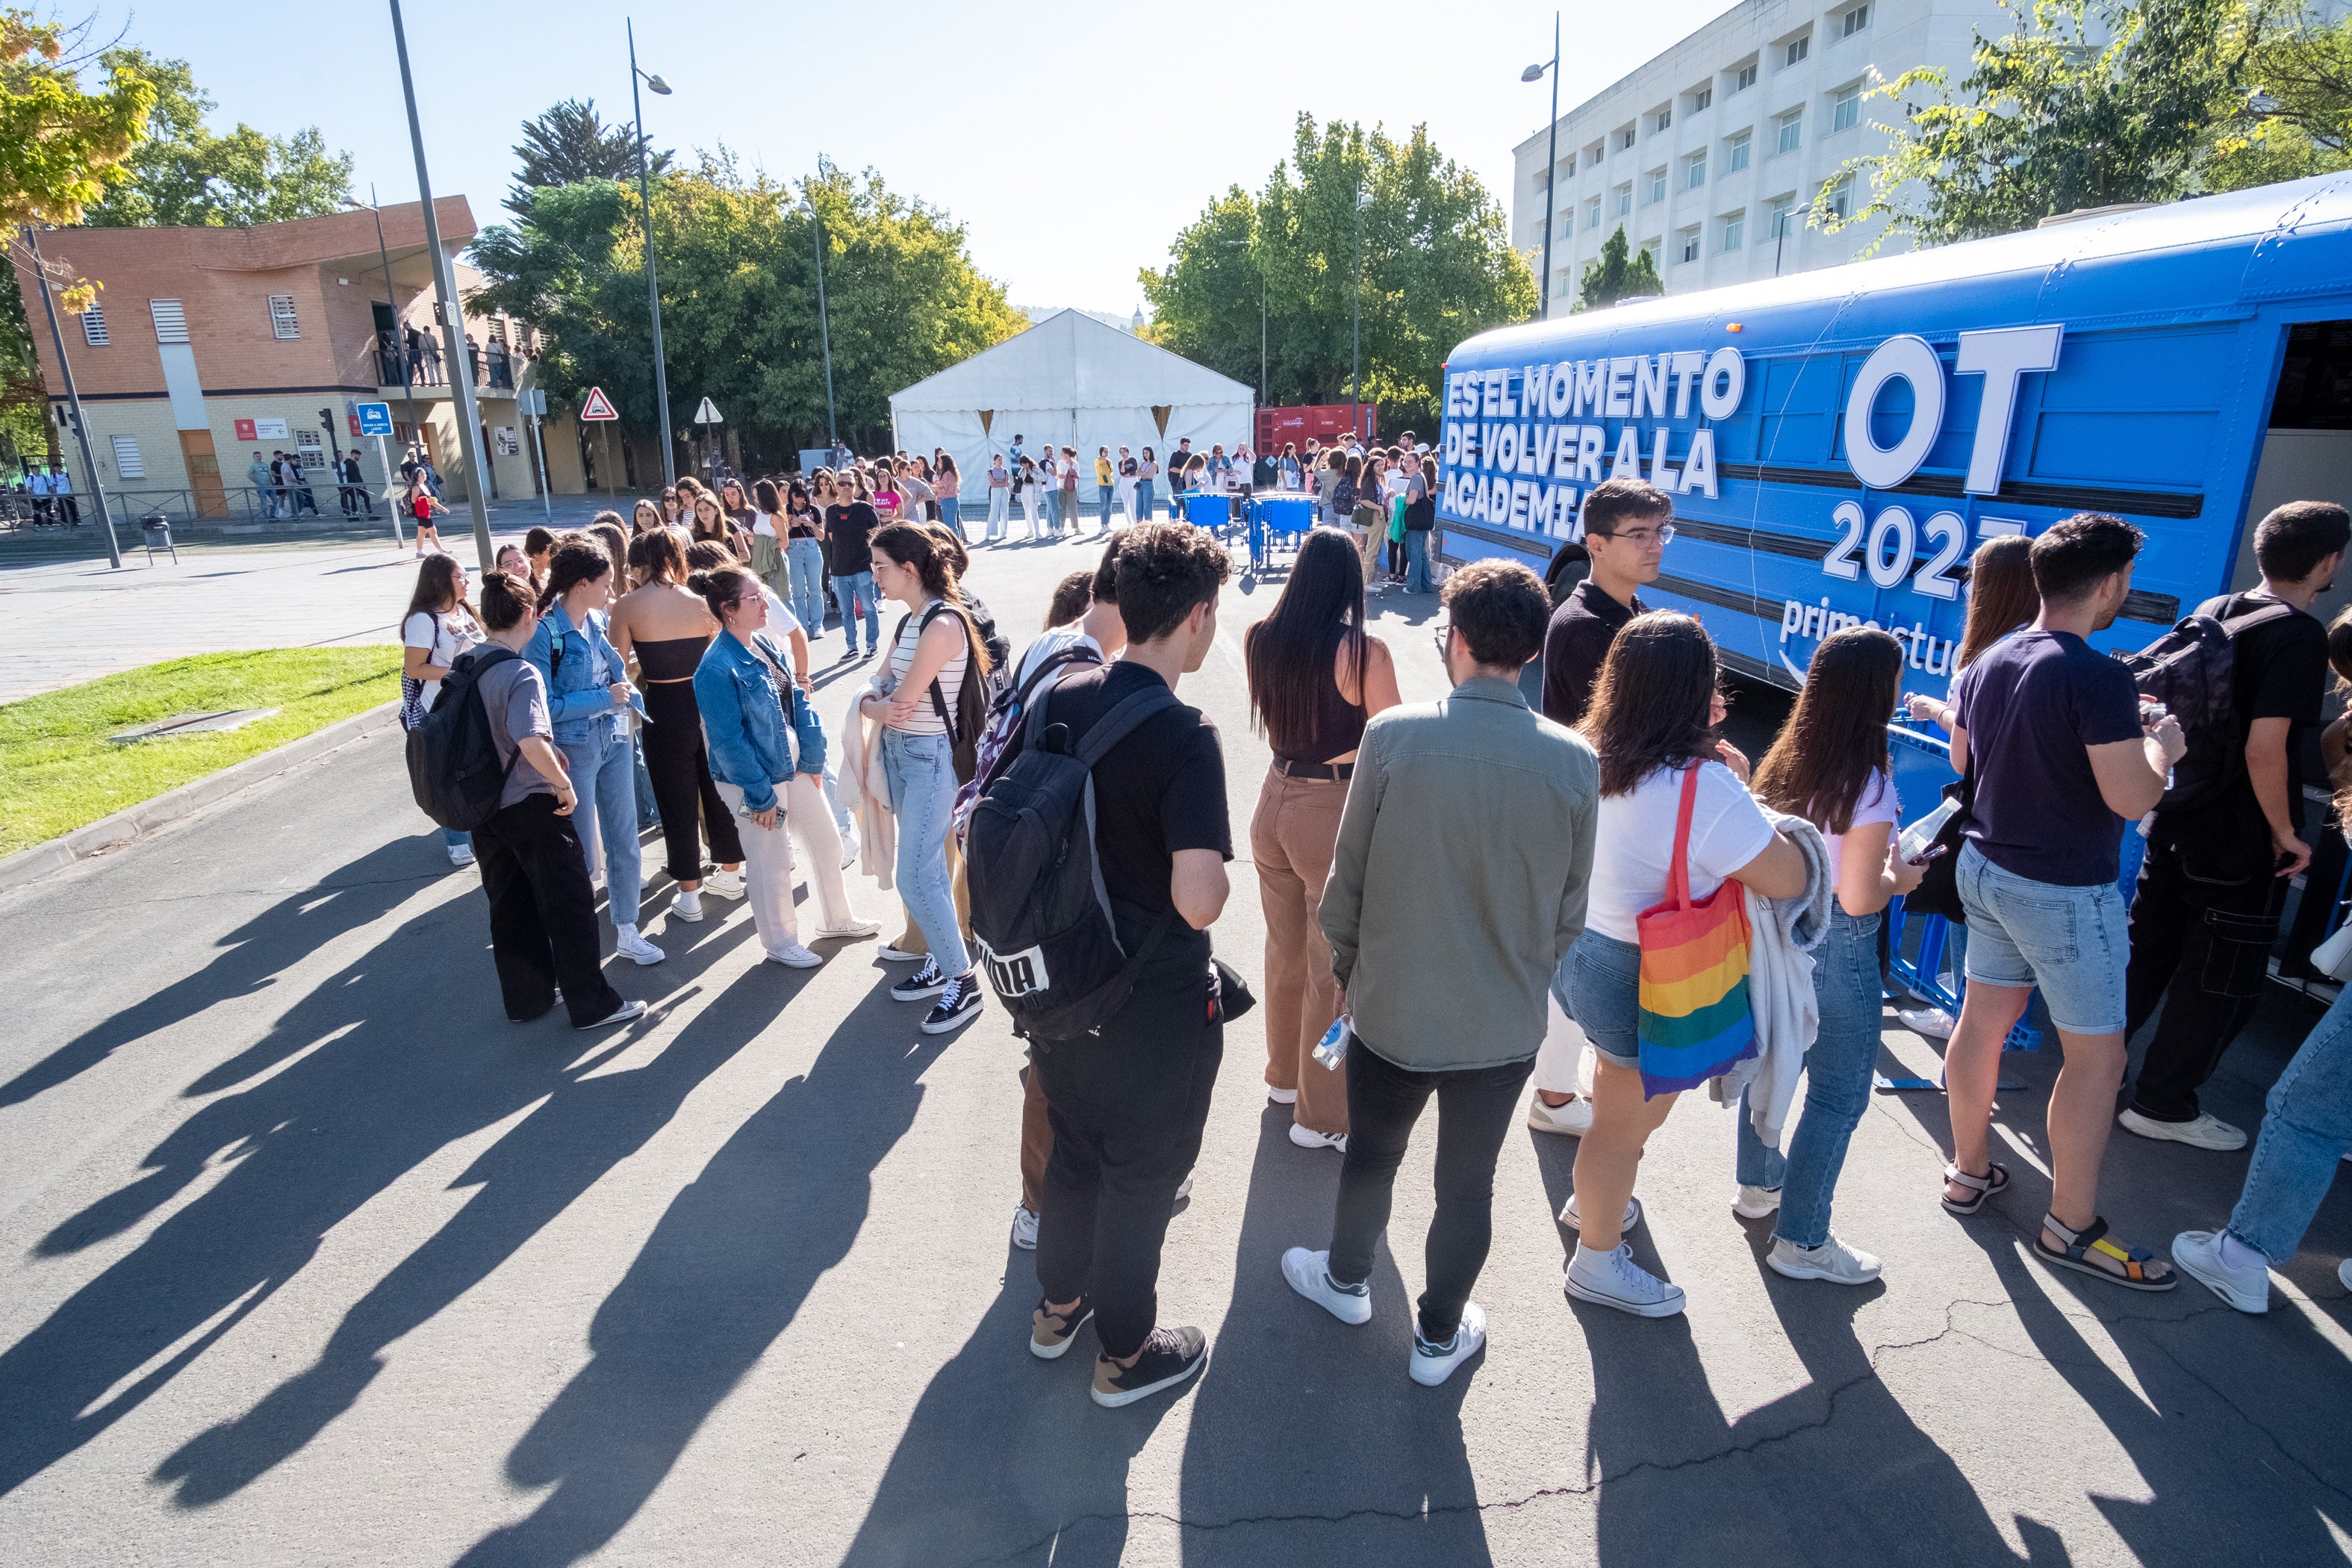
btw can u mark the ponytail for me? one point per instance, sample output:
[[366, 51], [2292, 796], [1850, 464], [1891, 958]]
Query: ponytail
[[506, 599], [721, 587], [578, 559]]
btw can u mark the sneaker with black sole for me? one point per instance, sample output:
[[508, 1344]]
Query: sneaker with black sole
[[620, 1015], [959, 1005], [1170, 1356], [1050, 1333], [925, 981]]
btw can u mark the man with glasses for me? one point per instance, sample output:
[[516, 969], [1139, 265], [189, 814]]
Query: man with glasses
[[1627, 523]]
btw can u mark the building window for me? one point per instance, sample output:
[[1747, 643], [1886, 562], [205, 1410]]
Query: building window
[[1840, 196], [1626, 139], [282, 316], [1657, 185], [1595, 153], [1703, 98], [1665, 118], [93, 326], [1854, 22], [127, 462], [1735, 231], [1543, 180], [1592, 213], [1736, 158], [1791, 127], [1845, 109], [171, 320], [1693, 170], [1653, 249], [1799, 47], [1745, 79], [1784, 216], [1624, 200], [1687, 244]]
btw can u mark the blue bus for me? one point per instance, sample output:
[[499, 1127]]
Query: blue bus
[[1838, 442]]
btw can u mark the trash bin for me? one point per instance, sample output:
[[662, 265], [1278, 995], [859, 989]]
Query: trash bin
[[157, 529]]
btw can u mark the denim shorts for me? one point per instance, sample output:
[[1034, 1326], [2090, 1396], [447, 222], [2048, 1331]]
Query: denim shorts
[[2071, 942], [1606, 988]]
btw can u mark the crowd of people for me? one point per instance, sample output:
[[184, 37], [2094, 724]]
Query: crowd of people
[[1596, 892]]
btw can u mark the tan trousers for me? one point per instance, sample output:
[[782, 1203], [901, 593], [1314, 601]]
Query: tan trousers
[[913, 941], [767, 871], [1291, 838], [1036, 1138]]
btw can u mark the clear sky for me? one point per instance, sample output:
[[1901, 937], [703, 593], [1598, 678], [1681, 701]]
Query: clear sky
[[1073, 140]]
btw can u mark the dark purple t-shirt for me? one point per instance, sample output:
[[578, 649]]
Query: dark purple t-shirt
[[2029, 706]]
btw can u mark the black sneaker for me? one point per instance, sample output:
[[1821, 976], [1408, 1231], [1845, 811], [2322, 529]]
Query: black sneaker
[[925, 981], [1170, 1356], [1050, 1334], [959, 1005]]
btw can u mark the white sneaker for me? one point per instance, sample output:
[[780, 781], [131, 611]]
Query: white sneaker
[[1571, 1217], [1433, 1364], [849, 849], [2208, 1131], [1833, 1261], [620, 1015], [1755, 1203], [1308, 1138], [1615, 1279], [687, 907], [792, 955], [1024, 1227], [1573, 1119], [844, 933], [724, 884], [1282, 1095], [633, 946], [1184, 1189], [1309, 1273], [461, 854], [894, 953], [2197, 1253], [1932, 1022]]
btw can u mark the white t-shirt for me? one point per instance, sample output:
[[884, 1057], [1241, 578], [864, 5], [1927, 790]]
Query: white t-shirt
[[765, 522], [781, 622], [1878, 804], [1634, 836], [445, 638], [1046, 646], [927, 720]]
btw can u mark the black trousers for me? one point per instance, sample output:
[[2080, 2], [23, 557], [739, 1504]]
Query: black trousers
[[1127, 1107], [543, 912], [683, 791], [2201, 942], [1475, 1107]]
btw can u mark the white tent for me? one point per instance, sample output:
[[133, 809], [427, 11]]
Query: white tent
[[1075, 382]]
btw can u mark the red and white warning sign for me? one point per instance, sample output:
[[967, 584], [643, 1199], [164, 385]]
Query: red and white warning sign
[[598, 407]]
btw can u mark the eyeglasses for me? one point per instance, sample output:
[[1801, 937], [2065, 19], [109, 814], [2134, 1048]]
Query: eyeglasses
[[1643, 538]]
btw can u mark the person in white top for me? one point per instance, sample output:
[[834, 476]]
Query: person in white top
[[1652, 719], [437, 628], [1000, 496]]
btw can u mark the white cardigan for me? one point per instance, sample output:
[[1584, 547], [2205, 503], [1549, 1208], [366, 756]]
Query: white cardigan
[[866, 792], [1783, 933]]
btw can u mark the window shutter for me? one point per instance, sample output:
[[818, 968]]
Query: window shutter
[[171, 320], [282, 316], [93, 326], [128, 464]]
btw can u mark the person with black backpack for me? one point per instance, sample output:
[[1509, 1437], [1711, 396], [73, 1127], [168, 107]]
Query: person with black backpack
[[1100, 949], [931, 700], [542, 910], [2227, 836]]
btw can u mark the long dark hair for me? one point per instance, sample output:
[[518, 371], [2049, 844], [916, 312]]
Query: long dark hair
[[769, 501], [1652, 709], [436, 588], [915, 546], [2001, 594], [1288, 654], [582, 558], [1835, 742]]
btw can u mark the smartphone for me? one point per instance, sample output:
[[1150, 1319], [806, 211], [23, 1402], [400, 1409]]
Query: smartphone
[[1933, 850]]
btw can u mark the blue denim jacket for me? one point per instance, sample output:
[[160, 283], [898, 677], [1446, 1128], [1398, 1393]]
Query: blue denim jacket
[[576, 698], [743, 719]]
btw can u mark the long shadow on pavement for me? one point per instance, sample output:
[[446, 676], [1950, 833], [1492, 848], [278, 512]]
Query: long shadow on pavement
[[723, 1274]]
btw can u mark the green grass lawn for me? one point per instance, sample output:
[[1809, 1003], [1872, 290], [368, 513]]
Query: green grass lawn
[[58, 771]]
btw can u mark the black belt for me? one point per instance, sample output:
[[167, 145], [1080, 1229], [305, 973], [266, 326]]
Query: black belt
[[1336, 772]]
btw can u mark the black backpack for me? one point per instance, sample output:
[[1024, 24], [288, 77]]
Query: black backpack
[[2192, 669], [971, 716], [453, 759], [1004, 726], [1047, 939], [1571, 564], [1000, 652]]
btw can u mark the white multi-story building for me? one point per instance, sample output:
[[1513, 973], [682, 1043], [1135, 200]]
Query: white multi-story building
[[1710, 154]]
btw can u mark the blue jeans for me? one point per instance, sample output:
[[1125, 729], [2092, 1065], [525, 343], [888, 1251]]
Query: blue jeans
[[1416, 561], [854, 589], [921, 772], [1054, 509], [605, 780], [951, 513], [1837, 1083], [1604, 978], [2069, 941], [453, 837], [2305, 1132], [1102, 497], [806, 557], [648, 803], [1143, 500]]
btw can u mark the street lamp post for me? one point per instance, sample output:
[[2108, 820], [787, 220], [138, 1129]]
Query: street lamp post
[[824, 324], [653, 283], [1551, 156], [1355, 365], [73, 401], [399, 346], [453, 320]]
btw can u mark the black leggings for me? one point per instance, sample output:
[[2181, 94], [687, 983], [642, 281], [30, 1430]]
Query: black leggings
[[1474, 1110], [680, 770]]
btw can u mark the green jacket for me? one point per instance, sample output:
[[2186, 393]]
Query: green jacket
[[1458, 881]]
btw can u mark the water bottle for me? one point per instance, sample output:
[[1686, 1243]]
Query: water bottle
[[1332, 1048]]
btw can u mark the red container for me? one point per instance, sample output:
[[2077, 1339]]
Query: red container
[[1325, 421]]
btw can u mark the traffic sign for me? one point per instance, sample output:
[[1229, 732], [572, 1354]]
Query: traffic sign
[[598, 407], [705, 414], [533, 401], [375, 419]]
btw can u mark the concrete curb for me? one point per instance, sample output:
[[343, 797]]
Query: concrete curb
[[135, 822]]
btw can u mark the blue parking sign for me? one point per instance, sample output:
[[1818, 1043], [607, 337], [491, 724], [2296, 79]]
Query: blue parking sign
[[375, 418]]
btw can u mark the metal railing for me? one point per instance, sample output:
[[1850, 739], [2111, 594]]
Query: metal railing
[[495, 368], [323, 500]]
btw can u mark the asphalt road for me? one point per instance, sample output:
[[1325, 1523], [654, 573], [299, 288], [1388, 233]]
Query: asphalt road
[[310, 1257]]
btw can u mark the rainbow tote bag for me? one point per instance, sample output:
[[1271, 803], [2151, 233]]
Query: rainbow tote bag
[[1694, 1015]]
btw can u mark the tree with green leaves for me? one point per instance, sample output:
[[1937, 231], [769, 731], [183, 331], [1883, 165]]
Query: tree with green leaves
[[60, 146], [571, 142], [1618, 272], [183, 174], [2298, 119], [1428, 258]]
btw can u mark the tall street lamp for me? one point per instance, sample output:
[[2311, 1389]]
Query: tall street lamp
[[824, 324], [1551, 156], [653, 283], [1356, 368], [73, 400], [391, 302]]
